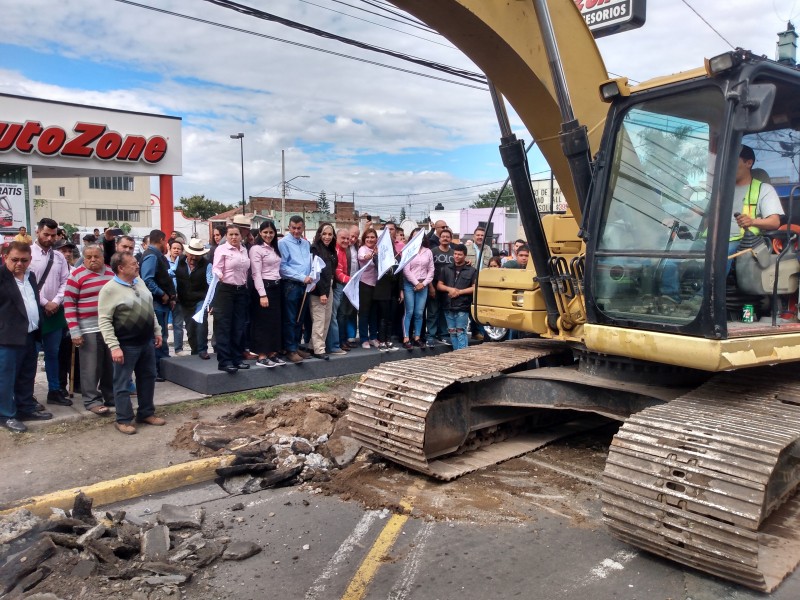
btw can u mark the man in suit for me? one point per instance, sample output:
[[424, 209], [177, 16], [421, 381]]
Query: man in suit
[[20, 316]]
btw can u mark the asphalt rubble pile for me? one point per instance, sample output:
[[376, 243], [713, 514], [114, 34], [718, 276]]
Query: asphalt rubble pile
[[297, 442], [56, 558]]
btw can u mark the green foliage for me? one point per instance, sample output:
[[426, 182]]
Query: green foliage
[[69, 228], [126, 228], [323, 205], [487, 200], [39, 202], [200, 207]]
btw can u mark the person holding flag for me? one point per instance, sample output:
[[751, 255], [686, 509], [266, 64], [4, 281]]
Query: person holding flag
[[367, 313], [417, 276], [323, 249]]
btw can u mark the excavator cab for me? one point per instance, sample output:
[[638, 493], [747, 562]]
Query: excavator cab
[[664, 253]]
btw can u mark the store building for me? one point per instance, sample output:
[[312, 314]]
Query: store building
[[43, 140]]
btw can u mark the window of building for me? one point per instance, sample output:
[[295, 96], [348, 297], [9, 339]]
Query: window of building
[[117, 214], [37, 190], [62, 191], [124, 184]]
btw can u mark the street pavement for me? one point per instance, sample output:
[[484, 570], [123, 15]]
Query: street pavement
[[317, 547]]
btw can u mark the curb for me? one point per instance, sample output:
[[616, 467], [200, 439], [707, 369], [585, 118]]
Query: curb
[[125, 488]]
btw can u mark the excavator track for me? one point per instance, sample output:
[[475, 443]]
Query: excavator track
[[709, 478], [390, 408]]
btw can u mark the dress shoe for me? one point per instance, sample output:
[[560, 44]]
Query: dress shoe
[[39, 406], [14, 425], [229, 369], [56, 397], [320, 356], [243, 365], [303, 354], [126, 428], [35, 416], [152, 420], [160, 379], [294, 357], [204, 355]]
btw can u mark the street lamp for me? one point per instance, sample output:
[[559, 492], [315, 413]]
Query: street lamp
[[284, 182], [240, 137]]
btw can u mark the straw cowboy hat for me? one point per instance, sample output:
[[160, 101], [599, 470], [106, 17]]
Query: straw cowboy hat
[[242, 220], [196, 247]]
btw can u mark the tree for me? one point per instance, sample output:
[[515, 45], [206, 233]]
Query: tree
[[487, 200], [200, 207], [323, 205], [402, 214]]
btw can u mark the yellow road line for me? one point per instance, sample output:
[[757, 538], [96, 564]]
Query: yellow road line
[[380, 549]]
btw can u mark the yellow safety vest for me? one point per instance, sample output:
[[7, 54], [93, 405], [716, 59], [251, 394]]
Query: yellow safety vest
[[749, 207]]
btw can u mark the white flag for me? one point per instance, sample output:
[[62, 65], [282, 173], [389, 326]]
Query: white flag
[[351, 287], [385, 253], [198, 317], [317, 264], [411, 250]]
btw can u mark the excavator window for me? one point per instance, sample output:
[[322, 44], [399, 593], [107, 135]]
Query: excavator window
[[652, 246]]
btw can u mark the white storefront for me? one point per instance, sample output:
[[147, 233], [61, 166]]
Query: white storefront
[[42, 139]]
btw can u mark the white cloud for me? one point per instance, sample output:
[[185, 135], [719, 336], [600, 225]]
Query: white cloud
[[285, 97]]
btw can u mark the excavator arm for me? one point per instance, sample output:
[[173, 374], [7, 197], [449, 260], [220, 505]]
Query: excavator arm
[[504, 39]]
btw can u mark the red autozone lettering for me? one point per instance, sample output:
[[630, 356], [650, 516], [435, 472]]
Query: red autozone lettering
[[590, 4], [90, 139]]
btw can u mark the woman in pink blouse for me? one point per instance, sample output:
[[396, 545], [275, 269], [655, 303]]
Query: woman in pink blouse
[[265, 310], [231, 265], [417, 274], [367, 311]]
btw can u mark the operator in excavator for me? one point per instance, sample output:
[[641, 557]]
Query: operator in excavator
[[761, 207]]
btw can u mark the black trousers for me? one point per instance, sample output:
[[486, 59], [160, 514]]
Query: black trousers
[[230, 315]]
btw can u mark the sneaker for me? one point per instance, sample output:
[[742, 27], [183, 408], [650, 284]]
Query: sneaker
[[446, 341], [338, 351], [390, 347], [373, 343], [265, 362], [430, 343], [294, 357], [382, 347], [366, 345], [277, 361]]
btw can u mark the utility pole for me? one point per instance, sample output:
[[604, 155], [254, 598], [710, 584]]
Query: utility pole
[[283, 194]]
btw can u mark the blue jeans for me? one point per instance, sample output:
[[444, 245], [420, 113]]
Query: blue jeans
[[292, 299], [333, 341], [177, 328], [414, 302], [457, 325], [17, 373], [142, 361], [51, 342], [162, 316]]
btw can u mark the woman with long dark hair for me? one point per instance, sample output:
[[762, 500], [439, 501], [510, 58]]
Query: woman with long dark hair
[[324, 246], [265, 308]]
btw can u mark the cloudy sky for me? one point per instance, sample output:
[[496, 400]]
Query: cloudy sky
[[388, 137]]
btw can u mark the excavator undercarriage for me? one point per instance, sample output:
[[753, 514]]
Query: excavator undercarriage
[[702, 472]]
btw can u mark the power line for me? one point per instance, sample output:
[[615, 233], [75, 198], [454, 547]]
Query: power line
[[404, 20], [709, 24], [339, 12], [434, 192], [298, 44], [263, 15]]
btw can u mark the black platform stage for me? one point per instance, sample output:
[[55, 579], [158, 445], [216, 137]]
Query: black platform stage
[[202, 375]]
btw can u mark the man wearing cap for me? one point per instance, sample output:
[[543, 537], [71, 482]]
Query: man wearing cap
[[757, 203], [155, 274], [51, 270], [190, 275]]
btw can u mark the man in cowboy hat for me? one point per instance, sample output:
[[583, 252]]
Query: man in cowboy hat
[[244, 224], [190, 275]]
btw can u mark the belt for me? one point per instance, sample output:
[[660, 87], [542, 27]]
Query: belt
[[271, 282], [230, 286]]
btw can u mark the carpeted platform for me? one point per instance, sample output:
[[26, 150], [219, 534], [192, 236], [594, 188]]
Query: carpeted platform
[[202, 375]]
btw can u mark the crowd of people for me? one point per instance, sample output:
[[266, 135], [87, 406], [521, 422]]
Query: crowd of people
[[101, 314]]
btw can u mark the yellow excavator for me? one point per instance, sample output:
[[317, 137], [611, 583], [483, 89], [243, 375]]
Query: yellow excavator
[[640, 306]]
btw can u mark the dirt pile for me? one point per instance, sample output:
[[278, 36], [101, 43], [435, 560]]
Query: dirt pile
[[88, 555]]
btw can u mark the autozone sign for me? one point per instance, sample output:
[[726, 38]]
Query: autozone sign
[[85, 141], [606, 17]]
